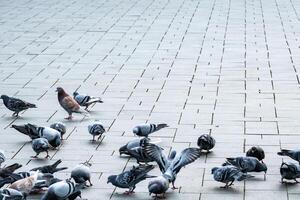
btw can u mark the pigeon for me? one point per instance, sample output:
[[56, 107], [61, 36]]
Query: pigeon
[[60, 127], [86, 100], [256, 152], [50, 168], [82, 173], [143, 130], [13, 194], [26, 185], [247, 164], [158, 186], [16, 105], [206, 142], [293, 154], [40, 145], [129, 179], [132, 145], [53, 136], [69, 104], [2, 157], [171, 166], [63, 190], [27, 129], [139, 153], [228, 174], [47, 177], [289, 171], [96, 129], [6, 171]]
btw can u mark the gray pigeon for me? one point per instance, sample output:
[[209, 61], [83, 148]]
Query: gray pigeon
[[95, 129], [293, 154], [60, 127], [52, 135], [206, 142], [86, 100], [137, 143], [63, 190], [139, 152], [171, 166], [289, 171], [13, 194], [16, 105], [247, 164], [40, 145], [82, 173], [129, 179], [158, 186], [144, 130], [228, 174], [2, 157], [256, 152], [27, 129], [50, 168]]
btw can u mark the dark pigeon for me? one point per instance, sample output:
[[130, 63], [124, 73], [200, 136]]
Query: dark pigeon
[[129, 179], [228, 174], [16, 105]]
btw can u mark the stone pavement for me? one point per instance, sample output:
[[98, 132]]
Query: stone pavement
[[224, 67]]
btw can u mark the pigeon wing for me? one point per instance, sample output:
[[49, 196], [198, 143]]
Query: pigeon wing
[[155, 152], [70, 104], [186, 157]]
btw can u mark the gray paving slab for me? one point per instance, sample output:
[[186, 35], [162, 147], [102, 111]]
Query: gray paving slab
[[224, 67]]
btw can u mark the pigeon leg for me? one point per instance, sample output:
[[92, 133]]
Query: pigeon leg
[[47, 156], [173, 186], [265, 176], [69, 117], [230, 184], [93, 140], [14, 114], [90, 182], [127, 192], [225, 186], [35, 156]]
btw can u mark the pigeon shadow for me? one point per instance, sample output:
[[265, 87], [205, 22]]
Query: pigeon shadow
[[229, 189]]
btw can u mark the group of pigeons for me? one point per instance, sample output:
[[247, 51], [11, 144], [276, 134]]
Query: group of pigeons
[[144, 149], [42, 180]]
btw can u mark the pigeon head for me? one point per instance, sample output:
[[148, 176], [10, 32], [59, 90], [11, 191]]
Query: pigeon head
[[111, 179], [123, 150], [60, 91], [136, 130], [261, 167], [60, 127], [214, 169], [4, 97]]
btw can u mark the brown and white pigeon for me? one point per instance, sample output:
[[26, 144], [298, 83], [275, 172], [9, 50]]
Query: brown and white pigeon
[[68, 103]]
